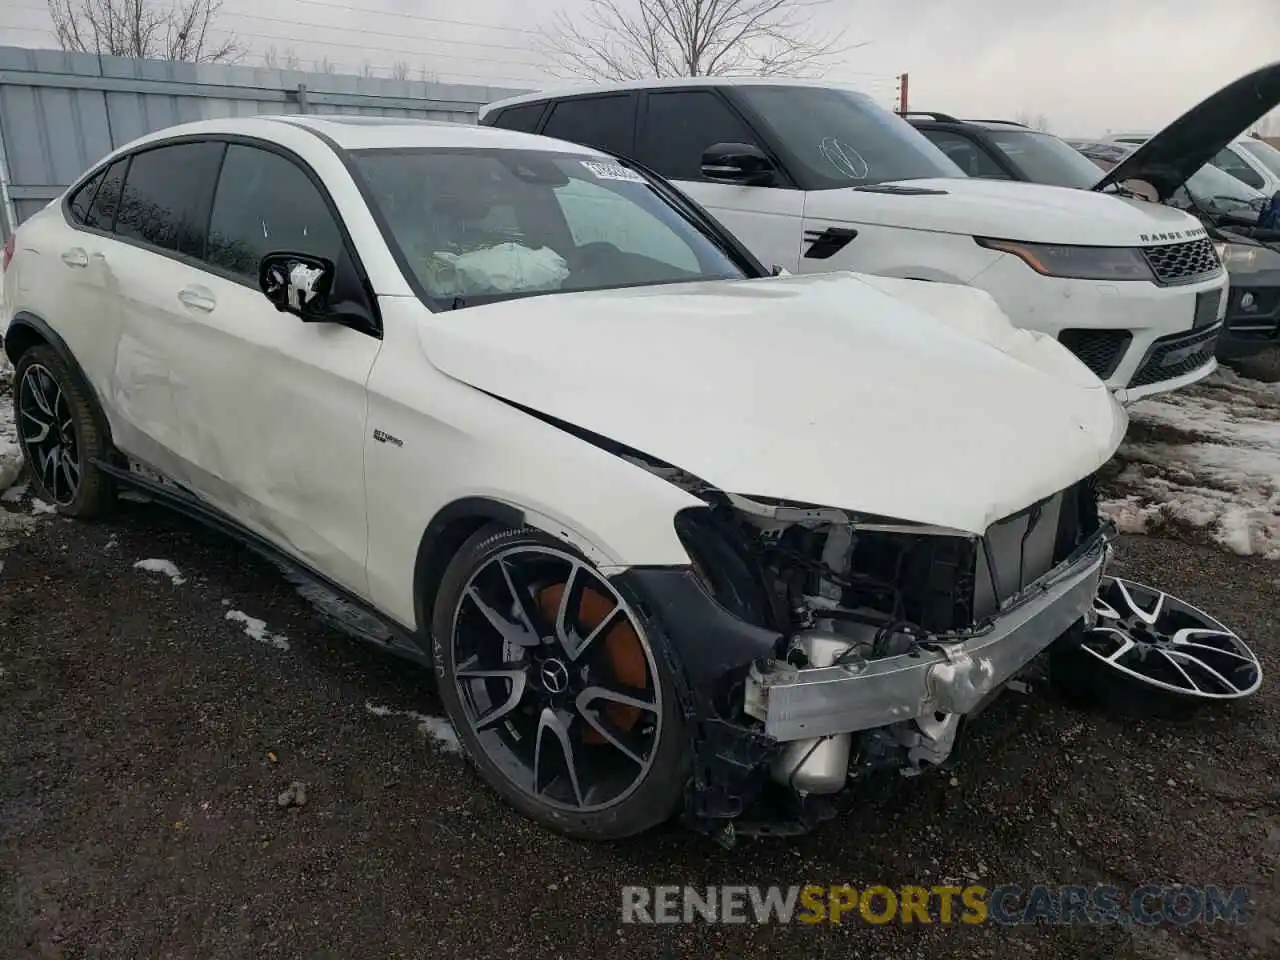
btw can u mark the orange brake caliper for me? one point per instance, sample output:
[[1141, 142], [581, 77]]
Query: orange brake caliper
[[621, 646]]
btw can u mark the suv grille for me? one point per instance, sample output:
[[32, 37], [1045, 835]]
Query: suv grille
[[1183, 262], [1099, 350], [1174, 356]]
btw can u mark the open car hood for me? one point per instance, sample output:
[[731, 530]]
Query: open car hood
[[1169, 158], [897, 398]]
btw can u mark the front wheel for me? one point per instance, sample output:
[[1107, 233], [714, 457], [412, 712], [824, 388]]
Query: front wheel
[[59, 435], [554, 688]]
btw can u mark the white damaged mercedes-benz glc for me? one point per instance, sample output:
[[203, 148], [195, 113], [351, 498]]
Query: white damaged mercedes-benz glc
[[673, 533]]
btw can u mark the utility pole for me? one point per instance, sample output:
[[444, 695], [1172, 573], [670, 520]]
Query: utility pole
[[902, 93]]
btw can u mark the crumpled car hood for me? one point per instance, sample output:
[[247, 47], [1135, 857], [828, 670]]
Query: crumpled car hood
[[899, 398]]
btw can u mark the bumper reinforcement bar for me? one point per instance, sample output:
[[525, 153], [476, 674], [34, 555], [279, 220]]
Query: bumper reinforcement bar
[[947, 677]]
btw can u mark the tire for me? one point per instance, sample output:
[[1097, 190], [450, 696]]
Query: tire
[[1264, 366], [41, 376], [655, 793]]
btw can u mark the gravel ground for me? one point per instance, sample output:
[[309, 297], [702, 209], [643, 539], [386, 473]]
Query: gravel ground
[[145, 737]]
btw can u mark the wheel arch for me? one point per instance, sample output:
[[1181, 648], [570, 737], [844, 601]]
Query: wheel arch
[[26, 330], [449, 529]]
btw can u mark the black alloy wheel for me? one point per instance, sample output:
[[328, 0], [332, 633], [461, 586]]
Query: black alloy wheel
[[59, 435], [555, 689]]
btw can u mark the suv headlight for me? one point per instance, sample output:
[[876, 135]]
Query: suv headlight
[[1238, 256], [1076, 263]]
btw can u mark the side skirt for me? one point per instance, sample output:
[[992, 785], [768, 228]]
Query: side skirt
[[334, 603]]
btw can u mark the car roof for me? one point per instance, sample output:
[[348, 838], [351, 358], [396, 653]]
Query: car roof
[[356, 132], [621, 86], [921, 117]]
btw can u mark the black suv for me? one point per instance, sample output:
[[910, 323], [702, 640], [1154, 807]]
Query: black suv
[[1004, 150]]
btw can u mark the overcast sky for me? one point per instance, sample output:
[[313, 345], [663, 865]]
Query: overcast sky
[[1088, 66]]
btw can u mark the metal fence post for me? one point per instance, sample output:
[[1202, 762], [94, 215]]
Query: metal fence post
[[8, 212]]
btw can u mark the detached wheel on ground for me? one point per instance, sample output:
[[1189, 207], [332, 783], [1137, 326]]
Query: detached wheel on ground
[[59, 435], [1152, 653], [555, 689]]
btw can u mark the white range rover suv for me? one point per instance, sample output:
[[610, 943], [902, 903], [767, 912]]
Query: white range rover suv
[[814, 177]]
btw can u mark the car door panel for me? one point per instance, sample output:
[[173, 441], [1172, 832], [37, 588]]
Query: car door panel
[[153, 251], [252, 410], [73, 283], [676, 128], [765, 219], [277, 438]]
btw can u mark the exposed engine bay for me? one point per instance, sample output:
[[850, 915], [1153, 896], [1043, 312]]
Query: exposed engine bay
[[849, 595]]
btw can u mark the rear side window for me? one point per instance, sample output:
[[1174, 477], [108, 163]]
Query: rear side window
[[82, 199], [606, 123], [679, 127], [106, 201], [967, 155], [266, 203], [524, 118], [167, 195]]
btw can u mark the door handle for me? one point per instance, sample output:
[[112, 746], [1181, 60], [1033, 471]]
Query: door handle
[[197, 298], [75, 257]]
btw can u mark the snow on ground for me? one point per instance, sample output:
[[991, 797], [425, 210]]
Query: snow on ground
[[165, 567], [10, 455], [257, 629], [1206, 458], [438, 729]]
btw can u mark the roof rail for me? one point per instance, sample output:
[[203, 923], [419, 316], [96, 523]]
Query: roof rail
[[941, 117], [1012, 123]]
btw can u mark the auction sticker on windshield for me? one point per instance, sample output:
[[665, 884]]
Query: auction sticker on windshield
[[612, 171]]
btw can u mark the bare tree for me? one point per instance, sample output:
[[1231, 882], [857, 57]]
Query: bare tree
[[286, 59], [1035, 121], [635, 39], [400, 70], [152, 29], [325, 65]]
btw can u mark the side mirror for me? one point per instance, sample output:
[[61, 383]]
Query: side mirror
[[297, 283], [742, 163]]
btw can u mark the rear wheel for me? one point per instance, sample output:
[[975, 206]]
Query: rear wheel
[[555, 691], [59, 435]]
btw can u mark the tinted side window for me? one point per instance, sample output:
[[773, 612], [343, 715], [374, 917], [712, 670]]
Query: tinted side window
[[679, 127], [1228, 162], [82, 199], [606, 123], [524, 118], [966, 154], [266, 203], [167, 194], [102, 212]]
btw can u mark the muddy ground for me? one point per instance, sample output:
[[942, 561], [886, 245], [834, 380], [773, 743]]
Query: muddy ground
[[145, 738]]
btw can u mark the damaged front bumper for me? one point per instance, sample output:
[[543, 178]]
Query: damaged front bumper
[[747, 774], [945, 676]]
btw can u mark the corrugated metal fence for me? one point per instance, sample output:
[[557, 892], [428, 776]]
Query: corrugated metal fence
[[60, 112]]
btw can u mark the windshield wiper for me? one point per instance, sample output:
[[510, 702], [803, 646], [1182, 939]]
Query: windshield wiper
[[901, 189]]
